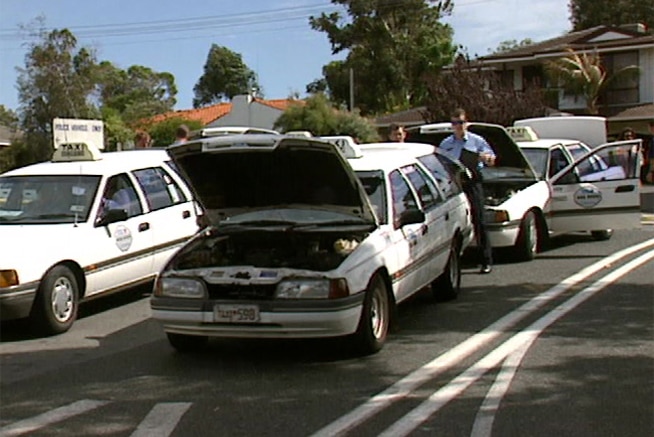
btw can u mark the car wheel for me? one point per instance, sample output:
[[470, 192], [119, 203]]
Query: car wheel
[[375, 318], [187, 343], [448, 284], [527, 244], [602, 235], [55, 307]]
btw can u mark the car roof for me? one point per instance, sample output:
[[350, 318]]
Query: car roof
[[548, 143], [110, 163], [376, 156]]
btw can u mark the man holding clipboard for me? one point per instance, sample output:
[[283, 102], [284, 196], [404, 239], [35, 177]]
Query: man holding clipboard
[[474, 152]]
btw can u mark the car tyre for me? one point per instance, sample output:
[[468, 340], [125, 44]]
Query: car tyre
[[374, 323], [602, 235], [448, 284], [57, 301], [187, 343], [526, 246]]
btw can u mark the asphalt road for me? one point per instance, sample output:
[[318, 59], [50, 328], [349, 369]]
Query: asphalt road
[[562, 345]]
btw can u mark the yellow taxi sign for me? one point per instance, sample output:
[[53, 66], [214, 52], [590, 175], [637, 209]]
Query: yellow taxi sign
[[68, 152], [522, 133]]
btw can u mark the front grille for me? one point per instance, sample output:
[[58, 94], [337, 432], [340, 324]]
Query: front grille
[[241, 292]]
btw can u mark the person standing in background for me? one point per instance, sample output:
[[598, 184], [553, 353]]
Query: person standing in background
[[142, 140], [182, 133], [396, 133], [474, 152]]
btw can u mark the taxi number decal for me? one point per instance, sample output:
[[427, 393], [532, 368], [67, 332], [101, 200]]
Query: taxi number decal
[[123, 238]]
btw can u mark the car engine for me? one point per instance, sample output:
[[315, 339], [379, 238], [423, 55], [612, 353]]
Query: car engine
[[321, 252]]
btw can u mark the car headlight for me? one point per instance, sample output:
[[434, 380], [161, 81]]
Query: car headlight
[[496, 216], [180, 287], [312, 288], [8, 278]]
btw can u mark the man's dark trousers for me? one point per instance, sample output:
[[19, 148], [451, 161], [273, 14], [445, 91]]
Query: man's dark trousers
[[475, 193]]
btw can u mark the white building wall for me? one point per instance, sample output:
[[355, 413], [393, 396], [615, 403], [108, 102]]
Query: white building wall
[[248, 112]]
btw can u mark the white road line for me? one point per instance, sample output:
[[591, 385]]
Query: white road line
[[161, 420], [406, 385], [486, 416], [519, 343], [50, 417]]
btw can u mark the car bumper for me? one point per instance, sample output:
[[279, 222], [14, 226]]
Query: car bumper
[[305, 319], [16, 302], [502, 234]]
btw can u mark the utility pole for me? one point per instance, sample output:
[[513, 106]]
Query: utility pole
[[351, 90]]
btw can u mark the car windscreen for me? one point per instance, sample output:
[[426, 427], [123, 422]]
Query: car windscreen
[[47, 198], [538, 159], [374, 185]]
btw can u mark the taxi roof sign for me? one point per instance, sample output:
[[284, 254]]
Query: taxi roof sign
[[522, 133], [68, 152], [346, 145]]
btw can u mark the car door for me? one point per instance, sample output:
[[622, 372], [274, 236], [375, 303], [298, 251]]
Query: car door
[[410, 240], [171, 212], [439, 222], [598, 191], [122, 247]]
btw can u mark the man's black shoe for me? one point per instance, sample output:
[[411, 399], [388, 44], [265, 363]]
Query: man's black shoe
[[486, 268]]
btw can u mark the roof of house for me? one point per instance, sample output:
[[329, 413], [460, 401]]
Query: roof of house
[[598, 38], [205, 115], [209, 114]]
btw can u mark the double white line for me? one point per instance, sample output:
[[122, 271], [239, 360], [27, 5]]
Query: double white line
[[514, 348]]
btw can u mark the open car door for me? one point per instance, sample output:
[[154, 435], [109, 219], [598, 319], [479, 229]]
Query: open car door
[[601, 190]]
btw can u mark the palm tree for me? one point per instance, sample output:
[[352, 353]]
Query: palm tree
[[584, 75]]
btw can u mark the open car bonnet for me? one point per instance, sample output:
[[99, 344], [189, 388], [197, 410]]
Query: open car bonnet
[[506, 150], [241, 174]]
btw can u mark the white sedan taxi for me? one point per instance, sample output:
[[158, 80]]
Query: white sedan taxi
[[86, 224], [599, 191], [295, 248]]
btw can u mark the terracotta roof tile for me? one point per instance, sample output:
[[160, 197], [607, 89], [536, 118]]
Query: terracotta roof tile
[[281, 104], [204, 115]]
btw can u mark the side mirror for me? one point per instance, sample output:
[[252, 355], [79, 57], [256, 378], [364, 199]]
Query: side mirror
[[112, 216], [411, 216]]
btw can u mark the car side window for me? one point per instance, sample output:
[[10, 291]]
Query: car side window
[[423, 185], [119, 193], [402, 196], [160, 188], [444, 171], [558, 161]]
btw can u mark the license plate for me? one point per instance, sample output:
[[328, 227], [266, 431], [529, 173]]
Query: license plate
[[236, 313]]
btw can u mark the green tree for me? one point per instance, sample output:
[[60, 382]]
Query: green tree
[[136, 93], [583, 74], [585, 14], [319, 117], [391, 44], [511, 44], [225, 76], [55, 82]]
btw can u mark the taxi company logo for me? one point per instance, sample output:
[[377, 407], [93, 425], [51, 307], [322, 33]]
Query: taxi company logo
[[123, 238], [588, 197]]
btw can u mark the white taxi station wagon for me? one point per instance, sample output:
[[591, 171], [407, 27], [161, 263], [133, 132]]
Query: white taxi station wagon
[[86, 224], [300, 245], [597, 192]]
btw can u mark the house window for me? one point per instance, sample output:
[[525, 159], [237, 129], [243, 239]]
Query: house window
[[532, 75], [623, 89]]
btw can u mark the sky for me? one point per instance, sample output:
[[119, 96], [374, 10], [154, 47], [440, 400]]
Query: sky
[[272, 36]]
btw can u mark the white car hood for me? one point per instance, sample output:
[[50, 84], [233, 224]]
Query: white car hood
[[244, 173]]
